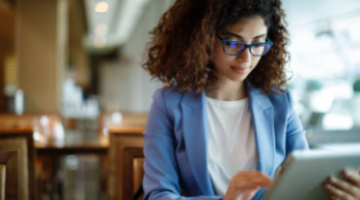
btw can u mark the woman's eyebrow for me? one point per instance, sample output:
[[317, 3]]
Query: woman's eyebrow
[[241, 37]]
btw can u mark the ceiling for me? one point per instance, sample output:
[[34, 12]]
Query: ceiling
[[116, 24], [305, 12], [122, 16]]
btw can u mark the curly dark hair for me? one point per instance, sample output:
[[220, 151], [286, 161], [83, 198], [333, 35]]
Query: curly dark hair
[[181, 46]]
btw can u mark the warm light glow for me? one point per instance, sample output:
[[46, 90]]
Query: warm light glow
[[36, 136], [101, 29], [100, 42], [116, 117], [72, 162], [101, 7], [44, 121]]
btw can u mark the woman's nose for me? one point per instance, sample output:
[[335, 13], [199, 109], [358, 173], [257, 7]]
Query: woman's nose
[[245, 56]]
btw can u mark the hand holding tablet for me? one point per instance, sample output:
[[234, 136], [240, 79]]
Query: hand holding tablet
[[304, 173], [347, 188]]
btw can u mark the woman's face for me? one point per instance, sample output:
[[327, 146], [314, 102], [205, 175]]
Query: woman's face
[[237, 68]]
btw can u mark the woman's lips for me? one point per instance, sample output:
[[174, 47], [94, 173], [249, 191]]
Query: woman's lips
[[239, 70]]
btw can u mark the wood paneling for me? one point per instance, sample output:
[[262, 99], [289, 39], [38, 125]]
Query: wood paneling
[[77, 52], [41, 53], [7, 43], [7, 20]]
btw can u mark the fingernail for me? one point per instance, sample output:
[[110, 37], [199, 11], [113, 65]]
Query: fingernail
[[328, 186], [347, 173], [333, 179]]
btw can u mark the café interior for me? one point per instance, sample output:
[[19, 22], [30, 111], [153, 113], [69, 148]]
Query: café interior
[[74, 98]]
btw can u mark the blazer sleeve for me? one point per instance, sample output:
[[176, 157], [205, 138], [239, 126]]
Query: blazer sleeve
[[161, 179], [295, 133]]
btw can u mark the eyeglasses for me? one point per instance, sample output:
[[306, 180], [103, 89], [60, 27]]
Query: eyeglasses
[[235, 48]]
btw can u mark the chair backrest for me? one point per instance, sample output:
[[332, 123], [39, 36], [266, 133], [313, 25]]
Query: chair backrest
[[21, 140], [2, 181], [126, 161], [9, 175]]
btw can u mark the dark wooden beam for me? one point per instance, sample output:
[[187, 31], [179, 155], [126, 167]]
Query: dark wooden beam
[[11, 2], [83, 13]]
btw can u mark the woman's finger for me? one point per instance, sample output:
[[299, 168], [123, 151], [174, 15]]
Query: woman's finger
[[249, 194], [263, 181], [250, 184], [337, 193], [353, 176], [253, 179], [334, 198], [345, 186]]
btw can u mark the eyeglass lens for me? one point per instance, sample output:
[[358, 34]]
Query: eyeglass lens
[[235, 48]]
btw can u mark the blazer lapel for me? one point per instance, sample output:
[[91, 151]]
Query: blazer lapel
[[262, 115], [195, 130]]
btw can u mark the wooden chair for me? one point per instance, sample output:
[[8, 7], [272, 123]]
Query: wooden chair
[[9, 175], [126, 161], [21, 140]]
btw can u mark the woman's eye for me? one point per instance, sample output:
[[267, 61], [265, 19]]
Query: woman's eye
[[258, 45], [233, 44]]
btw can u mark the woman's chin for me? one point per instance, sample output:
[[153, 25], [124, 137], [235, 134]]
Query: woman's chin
[[237, 78], [233, 77]]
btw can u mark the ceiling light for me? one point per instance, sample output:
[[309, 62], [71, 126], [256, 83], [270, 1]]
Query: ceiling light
[[101, 29], [101, 6], [99, 42]]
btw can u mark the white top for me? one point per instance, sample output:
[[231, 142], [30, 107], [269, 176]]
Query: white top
[[231, 141]]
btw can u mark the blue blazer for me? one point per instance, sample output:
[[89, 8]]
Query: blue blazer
[[176, 140]]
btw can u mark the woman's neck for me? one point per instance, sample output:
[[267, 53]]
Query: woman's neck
[[228, 91]]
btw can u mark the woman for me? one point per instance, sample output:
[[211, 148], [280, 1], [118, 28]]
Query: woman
[[224, 121]]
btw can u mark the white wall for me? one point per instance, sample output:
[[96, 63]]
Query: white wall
[[301, 13], [126, 84]]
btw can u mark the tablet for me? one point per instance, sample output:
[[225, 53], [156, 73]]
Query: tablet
[[304, 173]]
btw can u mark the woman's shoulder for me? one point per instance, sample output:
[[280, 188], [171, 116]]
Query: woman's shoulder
[[277, 96], [168, 96], [167, 92], [281, 99]]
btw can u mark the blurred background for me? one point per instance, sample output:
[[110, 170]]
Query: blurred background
[[71, 77]]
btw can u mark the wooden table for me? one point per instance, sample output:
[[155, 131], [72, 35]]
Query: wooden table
[[69, 150], [95, 145]]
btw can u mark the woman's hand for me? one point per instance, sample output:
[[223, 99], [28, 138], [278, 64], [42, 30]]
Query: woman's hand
[[348, 189], [245, 184]]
